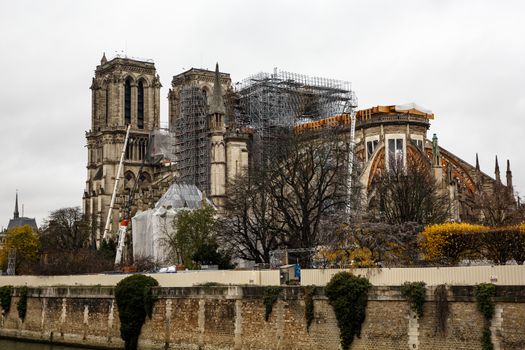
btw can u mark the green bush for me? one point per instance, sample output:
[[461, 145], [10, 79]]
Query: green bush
[[5, 298], [134, 301], [270, 296], [484, 292], [442, 308], [414, 292], [486, 341], [22, 303], [309, 292], [348, 295]]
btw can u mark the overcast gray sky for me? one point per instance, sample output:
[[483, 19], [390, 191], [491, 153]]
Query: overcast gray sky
[[464, 60]]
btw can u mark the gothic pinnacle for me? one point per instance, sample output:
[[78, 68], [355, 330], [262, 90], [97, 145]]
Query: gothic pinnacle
[[496, 171], [477, 162], [103, 60], [217, 103]]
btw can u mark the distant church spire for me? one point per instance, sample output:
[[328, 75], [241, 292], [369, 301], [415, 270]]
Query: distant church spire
[[16, 215], [477, 162], [496, 171], [217, 103], [509, 176]]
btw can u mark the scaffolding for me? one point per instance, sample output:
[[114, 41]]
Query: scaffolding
[[191, 148], [271, 101], [272, 104]]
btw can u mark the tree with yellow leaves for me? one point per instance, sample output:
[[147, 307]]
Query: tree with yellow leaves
[[451, 242], [25, 242]]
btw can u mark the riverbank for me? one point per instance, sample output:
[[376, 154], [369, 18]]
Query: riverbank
[[233, 317]]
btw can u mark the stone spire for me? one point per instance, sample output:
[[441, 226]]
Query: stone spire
[[496, 171], [477, 162], [103, 60], [16, 215], [217, 103], [509, 176]]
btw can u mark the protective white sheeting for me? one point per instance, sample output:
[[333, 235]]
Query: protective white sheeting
[[150, 227], [409, 106]]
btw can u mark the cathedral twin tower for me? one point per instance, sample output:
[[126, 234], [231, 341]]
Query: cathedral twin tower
[[127, 92]]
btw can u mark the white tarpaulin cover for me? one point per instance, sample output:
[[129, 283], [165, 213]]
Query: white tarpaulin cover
[[150, 227], [409, 106]]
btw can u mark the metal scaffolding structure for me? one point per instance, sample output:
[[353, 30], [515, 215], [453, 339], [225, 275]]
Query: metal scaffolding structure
[[192, 156], [269, 101]]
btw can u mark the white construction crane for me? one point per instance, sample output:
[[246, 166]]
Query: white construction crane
[[117, 180]]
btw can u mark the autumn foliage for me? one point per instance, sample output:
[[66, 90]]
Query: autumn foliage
[[450, 243]]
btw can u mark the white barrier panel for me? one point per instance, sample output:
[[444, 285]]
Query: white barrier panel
[[471, 275], [180, 279], [432, 276]]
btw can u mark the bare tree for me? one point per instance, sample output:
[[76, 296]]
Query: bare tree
[[309, 185], [250, 226], [409, 194], [498, 207], [66, 229], [390, 245]]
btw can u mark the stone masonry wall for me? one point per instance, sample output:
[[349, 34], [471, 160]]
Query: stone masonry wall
[[233, 318]]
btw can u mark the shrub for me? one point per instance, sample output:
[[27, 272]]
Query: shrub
[[5, 298], [442, 308], [486, 341], [414, 292], [484, 292], [270, 296], [309, 292], [348, 295], [134, 301], [22, 303], [450, 242]]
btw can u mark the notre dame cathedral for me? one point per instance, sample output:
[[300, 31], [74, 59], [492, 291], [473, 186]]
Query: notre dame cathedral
[[208, 145]]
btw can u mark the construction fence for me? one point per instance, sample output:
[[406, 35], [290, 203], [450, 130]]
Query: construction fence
[[499, 275]]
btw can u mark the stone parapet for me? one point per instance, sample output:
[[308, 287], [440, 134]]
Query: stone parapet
[[232, 317]]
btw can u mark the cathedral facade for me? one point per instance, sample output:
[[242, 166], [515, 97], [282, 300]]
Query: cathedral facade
[[126, 92]]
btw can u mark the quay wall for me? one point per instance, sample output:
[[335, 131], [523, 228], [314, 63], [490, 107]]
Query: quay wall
[[232, 317]]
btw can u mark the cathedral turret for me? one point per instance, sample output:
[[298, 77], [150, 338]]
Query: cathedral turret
[[436, 162], [216, 115], [496, 171], [436, 157], [509, 177]]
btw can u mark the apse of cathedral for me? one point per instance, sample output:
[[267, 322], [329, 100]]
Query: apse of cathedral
[[203, 146]]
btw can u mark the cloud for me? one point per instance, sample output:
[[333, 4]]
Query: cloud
[[461, 59]]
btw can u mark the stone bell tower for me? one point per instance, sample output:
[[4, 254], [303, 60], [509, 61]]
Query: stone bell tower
[[124, 91]]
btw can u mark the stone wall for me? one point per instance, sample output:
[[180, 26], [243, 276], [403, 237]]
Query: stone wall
[[233, 318]]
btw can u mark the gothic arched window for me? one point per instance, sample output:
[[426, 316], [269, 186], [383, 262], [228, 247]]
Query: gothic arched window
[[140, 105], [127, 102]]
